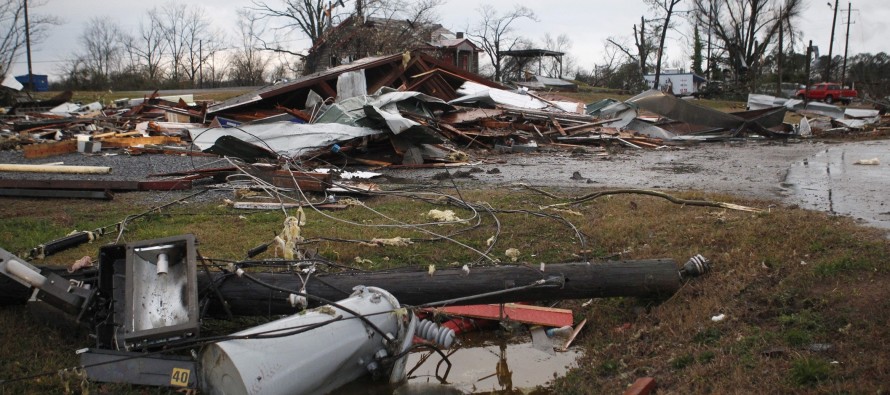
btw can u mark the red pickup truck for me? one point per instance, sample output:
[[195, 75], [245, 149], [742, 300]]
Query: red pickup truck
[[829, 92]]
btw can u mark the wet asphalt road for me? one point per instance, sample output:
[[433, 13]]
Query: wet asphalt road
[[811, 174]]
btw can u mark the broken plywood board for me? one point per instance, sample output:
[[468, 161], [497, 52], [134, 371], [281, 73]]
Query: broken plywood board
[[49, 149]]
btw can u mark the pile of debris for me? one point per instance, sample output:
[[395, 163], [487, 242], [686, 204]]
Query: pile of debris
[[823, 119], [57, 126], [404, 110]]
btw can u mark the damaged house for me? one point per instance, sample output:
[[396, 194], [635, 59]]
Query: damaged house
[[361, 36]]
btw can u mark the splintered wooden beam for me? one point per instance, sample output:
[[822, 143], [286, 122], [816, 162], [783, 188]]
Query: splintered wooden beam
[[526, 314], [470, 140], [557, 126]]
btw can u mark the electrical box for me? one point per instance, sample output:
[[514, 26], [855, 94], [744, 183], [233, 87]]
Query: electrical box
[[160, 299]]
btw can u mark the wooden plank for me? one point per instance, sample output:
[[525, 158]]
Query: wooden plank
[[128, 134], [369, 162], [526, 314], [589, 124], [164, 151], [571, 338], [49, 149], [126, 142], [488, 123], [165, 185], [91, 185], [316, 182], [56, 193], [471, 140], [209, 171], [557, 126]]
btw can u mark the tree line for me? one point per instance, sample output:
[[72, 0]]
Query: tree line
[[747, 45], [751, 45]]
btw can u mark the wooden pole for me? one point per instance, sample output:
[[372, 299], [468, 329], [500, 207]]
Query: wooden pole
[[827, 77], [846, 45], [651, 278], [640, 278]]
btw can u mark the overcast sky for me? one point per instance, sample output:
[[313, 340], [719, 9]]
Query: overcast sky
[[588, 23]]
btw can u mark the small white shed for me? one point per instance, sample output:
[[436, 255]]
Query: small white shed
[[680, 84]]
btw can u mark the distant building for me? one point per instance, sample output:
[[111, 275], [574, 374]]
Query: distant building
[[454, 49], [677, 82], [41, 82], [357, 38]]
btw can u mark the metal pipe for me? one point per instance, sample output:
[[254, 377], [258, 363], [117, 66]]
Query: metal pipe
[[25, 273], [8, 167]]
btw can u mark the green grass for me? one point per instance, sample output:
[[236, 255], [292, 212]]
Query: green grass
[[810, 371], [682, 361], [843, 265]]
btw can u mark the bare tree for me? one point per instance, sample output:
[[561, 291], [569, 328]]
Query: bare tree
[[102, 50], [248, 64], [190, 41], [667, 7], [147, 47], [310, 18], [12, 26], [495, 32], [642, 43], [201, 42], [746, 29]]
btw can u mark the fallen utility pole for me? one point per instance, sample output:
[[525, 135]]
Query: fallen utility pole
[[636, 278], [652, 278]]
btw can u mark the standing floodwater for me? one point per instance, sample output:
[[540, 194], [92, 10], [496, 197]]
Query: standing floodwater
[[832, 181]]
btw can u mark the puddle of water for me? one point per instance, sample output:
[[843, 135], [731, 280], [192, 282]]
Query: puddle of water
[[829, 181], [484, 362]]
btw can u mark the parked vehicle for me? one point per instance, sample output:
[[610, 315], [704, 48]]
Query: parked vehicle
[[828, 92]]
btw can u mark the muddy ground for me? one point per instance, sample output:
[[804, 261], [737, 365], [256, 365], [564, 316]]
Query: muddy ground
[[812, 174]]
